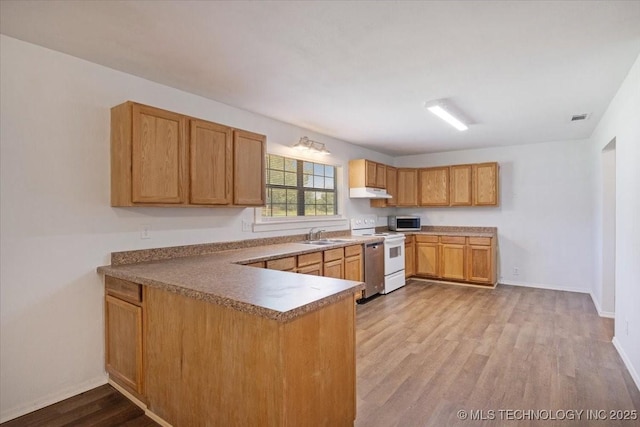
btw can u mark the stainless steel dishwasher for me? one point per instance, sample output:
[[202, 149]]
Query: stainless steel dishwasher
[[373, 268]]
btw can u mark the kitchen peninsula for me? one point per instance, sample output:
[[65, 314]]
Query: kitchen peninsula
[[198, 338]]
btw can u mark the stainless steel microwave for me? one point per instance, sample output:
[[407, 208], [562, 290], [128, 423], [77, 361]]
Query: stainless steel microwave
[[404, 223]]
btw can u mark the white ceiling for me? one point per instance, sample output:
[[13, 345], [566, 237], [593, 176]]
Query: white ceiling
[[362, 71]]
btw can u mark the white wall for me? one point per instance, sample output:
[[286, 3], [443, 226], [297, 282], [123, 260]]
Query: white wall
[[544, 218], [605, 294], [622, 122], [57, 225]]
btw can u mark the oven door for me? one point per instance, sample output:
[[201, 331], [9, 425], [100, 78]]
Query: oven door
[[393, 255]]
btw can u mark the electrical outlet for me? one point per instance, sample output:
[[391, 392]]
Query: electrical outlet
[[145, 233], [246, 225], [516, 271]]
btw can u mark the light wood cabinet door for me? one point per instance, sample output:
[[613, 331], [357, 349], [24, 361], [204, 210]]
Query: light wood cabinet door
[[366, 173], [123, 343], [407, 187], [158, 156], [480, 264], [460, 184], [334, 269], [248, 168], [211, 163], [427, 259], [381, 176], [391, 179], [312, 269], [353, 269], [371, 169], [434, 186], [485, 184], [392, 185], [258, 264], [452, 261], [409, 258], [282, 264]]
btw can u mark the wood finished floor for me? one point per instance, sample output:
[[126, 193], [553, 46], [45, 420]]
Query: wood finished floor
[[103, 406], [427, 350]]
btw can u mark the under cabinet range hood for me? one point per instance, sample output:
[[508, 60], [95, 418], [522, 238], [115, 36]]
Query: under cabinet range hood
[[368, 193]]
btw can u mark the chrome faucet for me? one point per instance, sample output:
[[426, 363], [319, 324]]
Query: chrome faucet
[[313, 234]]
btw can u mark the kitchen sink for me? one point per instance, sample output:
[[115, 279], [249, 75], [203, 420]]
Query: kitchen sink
[[324, 241]]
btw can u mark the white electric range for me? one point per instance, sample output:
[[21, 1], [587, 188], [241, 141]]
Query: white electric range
[[365, 225]]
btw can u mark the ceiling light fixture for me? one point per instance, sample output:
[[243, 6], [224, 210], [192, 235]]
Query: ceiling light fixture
[[305, 144], [439, 110]]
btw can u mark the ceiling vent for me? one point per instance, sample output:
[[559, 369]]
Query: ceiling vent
[[578, 117]]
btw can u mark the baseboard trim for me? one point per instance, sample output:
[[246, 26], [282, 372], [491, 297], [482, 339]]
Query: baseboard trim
[[446, 282], [543, 286], [53, 398], [607, 314], [627, 362]]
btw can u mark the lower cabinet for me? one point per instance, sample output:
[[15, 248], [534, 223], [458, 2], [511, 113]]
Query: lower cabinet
[[283, 264], [409, 256], [339, 263], [310, 264], [353, 263], [453, 256], [456, 258], [334, 263], [195, 375], [124, 334], [481, 260], [427, 256]]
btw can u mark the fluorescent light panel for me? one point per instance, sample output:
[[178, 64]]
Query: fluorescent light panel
[[447, 117]]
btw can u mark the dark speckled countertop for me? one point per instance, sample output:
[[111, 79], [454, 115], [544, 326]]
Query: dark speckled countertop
[[218, 276], [214, 272]]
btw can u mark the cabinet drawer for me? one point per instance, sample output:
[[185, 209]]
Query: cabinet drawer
[[312, 269], [308, 259], [354, 250], [333, 254], [123, 289], [480, 241], [458, 240], [259, 264], [426, 239], [288, 263]]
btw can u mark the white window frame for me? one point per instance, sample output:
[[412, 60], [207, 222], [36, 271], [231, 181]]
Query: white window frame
[[328, 222]]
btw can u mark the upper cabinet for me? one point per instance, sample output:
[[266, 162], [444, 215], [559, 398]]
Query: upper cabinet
[[391, 176], [407, 187], [434, 186], [474, 185], [485, 184], [249, 168], [460, 185], [365, 173], [456, 185], [392, 185], [211, 161], [161, 158], [148, 156]]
